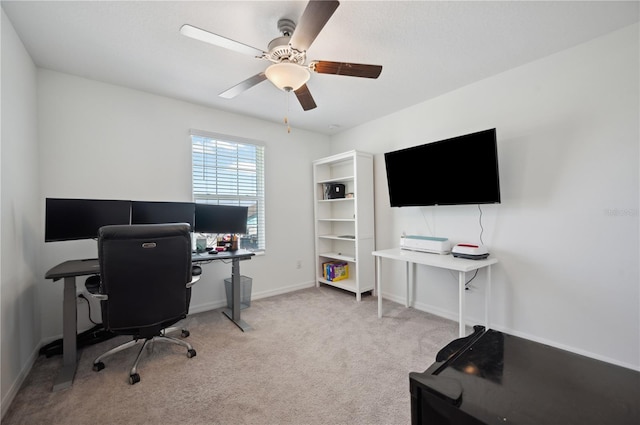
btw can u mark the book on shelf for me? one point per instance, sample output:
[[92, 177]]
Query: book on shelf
[[334, 271]]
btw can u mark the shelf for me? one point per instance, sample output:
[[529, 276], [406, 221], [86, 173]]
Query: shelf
[[336, 180], [337, 199], [338, 256], [336, 237], [347, 284]]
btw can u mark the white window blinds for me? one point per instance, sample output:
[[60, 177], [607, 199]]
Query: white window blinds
[[230, 171]]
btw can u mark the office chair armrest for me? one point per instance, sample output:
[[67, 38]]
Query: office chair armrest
[[93, 288], [196, 272]]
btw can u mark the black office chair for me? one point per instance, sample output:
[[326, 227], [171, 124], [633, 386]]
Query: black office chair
[[145, 284]]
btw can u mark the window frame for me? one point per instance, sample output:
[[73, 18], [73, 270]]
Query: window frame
[[258, 198]]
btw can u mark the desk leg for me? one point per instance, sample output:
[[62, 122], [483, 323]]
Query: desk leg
[[69, 330], [461, 290], [379, 280], [234, 313]]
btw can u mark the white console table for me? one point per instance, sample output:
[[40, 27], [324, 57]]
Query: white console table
[[461, 265]]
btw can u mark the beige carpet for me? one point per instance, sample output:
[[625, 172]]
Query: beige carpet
[[314, 356]]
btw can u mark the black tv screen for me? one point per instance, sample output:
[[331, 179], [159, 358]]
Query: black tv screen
[[221, 219], [71, 219], [146, 212], [457, 171]]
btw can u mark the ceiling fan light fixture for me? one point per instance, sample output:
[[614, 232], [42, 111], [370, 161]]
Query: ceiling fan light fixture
[[287, 76]]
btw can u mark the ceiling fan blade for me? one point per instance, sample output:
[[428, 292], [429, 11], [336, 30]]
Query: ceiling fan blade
[[313, 19], [218, 40], [244, 85], [345, 68], [304, 97]]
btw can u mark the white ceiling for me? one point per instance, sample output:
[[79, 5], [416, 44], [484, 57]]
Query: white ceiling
[[426, 48]]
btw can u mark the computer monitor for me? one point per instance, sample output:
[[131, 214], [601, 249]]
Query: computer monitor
[[221, 219], [147, 212], [72, 219]]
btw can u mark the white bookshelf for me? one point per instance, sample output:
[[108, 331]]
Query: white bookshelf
[[344, 227]]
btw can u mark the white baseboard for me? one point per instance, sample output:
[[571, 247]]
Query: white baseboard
[[453, 315], [284, 290], [566, 348], [200, 308], [17, 383]]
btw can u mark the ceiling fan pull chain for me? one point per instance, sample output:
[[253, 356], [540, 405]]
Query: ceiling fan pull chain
[[288, 111], [286, 120]]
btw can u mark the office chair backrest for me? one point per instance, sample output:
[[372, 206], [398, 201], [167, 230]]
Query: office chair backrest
[[144, 270]]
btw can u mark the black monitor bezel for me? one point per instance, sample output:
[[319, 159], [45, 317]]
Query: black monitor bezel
[[159, 209], [205, 223], [77, 226]]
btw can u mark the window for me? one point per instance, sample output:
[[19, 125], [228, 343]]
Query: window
[[230, 171]]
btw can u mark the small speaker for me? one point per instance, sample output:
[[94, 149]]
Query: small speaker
[[335, 191]]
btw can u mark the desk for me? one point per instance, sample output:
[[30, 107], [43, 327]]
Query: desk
[[461, 265], [69, 270]]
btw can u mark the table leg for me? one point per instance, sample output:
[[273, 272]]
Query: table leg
[[234, 313], [379, 281], [69, 330], [414, 267], [407, 267], [487, 298], [461, 295]]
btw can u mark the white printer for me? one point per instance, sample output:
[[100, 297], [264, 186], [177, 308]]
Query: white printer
[[425, 244]]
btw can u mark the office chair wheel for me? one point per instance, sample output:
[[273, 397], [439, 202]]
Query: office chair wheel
[[134, 378], [98, 366], [185, 333], [191, 353]]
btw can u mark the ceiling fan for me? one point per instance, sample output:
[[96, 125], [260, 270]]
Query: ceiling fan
[[288, 54]]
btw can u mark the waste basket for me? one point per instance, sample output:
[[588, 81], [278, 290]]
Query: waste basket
[[245, 292]]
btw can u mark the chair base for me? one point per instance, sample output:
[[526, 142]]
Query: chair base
[[183, 332], [134, 377]]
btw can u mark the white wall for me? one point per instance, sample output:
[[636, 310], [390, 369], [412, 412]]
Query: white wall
[[566, 233], [104, 141], [20, 226]]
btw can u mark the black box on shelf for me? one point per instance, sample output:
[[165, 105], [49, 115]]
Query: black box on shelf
[[334, 191]]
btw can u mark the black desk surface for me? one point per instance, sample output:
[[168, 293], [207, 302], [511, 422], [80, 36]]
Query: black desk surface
[[74, 268], [91, 266], [242, 254], [510, 380]]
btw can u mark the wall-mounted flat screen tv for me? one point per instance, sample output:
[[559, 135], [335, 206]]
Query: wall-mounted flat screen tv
[[457, 171], [71, 219], [148, 212], [221, 219]]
